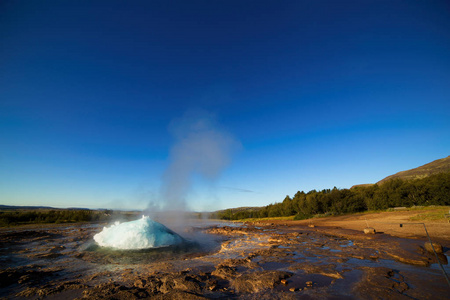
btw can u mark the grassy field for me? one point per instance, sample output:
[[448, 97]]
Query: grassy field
[[435, 213]]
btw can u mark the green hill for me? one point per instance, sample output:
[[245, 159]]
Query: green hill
[[438, 166]]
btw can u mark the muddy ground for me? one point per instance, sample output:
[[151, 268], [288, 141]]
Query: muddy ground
[[284, 260]]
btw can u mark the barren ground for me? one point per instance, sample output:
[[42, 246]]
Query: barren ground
[[264, 260], [388, 223]]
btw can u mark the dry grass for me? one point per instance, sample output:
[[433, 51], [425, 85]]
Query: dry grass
[[437, 214]]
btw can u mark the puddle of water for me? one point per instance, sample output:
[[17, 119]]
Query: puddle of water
[[445, 265], [231, 224], [271, 266], [335, 250], [355, 262], [344, 287], [284, 247], [348, 244], [298, 254]]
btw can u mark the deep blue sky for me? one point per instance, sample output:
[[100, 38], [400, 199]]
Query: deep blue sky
[[317, 93]]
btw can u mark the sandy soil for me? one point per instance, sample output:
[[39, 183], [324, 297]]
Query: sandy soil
[[267, 260], [388, 223]]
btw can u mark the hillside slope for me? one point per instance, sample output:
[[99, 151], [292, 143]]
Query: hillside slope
[[434, 167]]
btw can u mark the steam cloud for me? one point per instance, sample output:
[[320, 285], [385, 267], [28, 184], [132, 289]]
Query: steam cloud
[[200, 148]]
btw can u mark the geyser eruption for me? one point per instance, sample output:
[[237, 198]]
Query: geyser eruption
[[140, 234], [200, 149]]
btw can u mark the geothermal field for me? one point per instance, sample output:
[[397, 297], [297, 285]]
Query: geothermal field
[[218, 260]]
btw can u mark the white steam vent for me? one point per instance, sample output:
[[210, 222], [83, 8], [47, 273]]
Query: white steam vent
[[140, 234]]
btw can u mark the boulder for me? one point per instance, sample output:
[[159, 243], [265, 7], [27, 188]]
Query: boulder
[[369, 230]]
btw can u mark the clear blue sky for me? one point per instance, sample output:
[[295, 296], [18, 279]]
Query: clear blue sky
[[311, 94]]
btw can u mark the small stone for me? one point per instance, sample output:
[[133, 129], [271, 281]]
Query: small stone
[[311, 225], [369, 230], [139, 283], [292, 289], [284, 281], [309, 283]]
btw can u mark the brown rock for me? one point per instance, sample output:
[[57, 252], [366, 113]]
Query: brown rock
[[369, 230], [259, 281], [407, 259], [186, 283], [225, 272], [110, 291], [437, 247], [178, 295], [139, 283], [167, 284]]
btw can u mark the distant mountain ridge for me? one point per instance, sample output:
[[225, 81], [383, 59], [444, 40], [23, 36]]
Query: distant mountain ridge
[[438, 166], [12, 207], [16, 207]]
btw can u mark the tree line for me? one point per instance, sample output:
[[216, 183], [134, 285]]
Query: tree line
[[431, 190], [18, 217]]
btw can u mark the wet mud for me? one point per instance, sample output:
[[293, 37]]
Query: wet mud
[[243, 261]]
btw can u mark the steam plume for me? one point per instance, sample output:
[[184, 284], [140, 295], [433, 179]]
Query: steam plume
[[200, 148]]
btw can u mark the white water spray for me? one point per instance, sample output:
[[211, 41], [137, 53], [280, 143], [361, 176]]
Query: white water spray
[[140, 234]]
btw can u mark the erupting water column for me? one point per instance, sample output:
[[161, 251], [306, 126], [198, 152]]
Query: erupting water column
[[140, 234]]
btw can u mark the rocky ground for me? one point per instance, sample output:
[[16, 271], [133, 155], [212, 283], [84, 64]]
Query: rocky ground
[[246, 261]]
